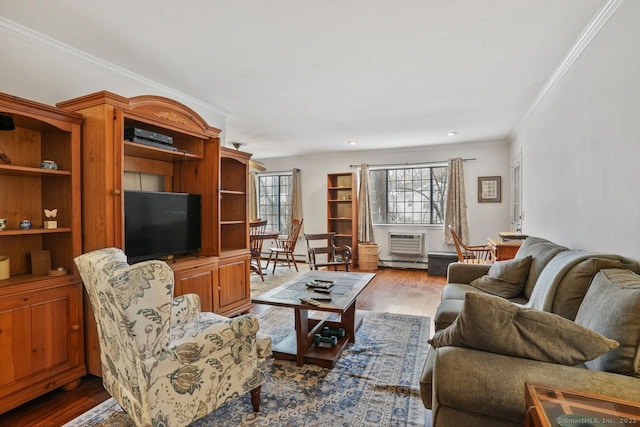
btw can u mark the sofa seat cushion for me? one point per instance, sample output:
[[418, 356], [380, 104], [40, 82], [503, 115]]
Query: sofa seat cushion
[[573, 286], [491, 384], [492, 324], [457, 291], [611, 307], [505, 279]]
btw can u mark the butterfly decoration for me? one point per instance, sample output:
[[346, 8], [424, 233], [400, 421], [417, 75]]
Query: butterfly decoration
[[51, 213]]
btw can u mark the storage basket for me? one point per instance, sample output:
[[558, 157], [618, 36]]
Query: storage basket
[[368, 256]]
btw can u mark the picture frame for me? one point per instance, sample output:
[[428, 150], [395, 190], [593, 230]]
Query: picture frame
[[489, 189]]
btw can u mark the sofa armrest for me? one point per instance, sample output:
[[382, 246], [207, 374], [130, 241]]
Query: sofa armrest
[[466, 273], [462, 377]]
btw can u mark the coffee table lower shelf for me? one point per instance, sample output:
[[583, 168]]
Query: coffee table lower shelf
[[319, 354]]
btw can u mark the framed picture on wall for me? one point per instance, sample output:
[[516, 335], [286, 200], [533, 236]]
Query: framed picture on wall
[[489, 189]]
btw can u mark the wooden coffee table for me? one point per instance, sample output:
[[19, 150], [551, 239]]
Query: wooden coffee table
[[340, 312], [549, 406]]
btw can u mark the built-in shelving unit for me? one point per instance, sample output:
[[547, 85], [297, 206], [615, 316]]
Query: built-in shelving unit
[[41, 328], [234, 258], [342, 210]]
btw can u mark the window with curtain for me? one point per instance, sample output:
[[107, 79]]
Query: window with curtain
[[408, 195], [274, 200]]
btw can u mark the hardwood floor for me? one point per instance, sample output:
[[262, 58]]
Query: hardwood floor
[[411, 292]]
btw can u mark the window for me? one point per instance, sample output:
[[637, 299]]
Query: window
[[274, 200], [412, 195]]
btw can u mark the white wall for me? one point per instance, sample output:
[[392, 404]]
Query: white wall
[[485, 219], [581, 146], [41, 69]]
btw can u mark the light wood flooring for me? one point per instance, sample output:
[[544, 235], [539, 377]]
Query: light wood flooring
[[393, 290]]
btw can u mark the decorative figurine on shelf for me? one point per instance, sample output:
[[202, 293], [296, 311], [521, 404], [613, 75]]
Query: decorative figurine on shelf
[[3, 157], [25, 224], [48, 164], [3, 223], [50, 223]]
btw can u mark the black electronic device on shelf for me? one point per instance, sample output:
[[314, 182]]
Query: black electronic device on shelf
[[153, 139]]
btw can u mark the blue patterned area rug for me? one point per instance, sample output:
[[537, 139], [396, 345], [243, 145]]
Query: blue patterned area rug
[[375, 382]]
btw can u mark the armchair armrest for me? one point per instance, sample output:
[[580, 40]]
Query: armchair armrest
[[466, 273], [213, 332], [185, 309]]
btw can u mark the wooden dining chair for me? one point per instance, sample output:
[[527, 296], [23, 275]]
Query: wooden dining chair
[[325, 253], [471, 254], [256, 229], [286, 246]]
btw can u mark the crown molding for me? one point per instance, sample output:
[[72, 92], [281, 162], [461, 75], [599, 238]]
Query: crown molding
[[592, 29], [42, 41]]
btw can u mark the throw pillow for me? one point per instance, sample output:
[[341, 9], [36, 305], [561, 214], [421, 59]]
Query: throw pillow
[[505, 279], [492, 324], [612, 307]]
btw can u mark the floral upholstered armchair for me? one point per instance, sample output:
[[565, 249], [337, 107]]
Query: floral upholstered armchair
[[164, 361]]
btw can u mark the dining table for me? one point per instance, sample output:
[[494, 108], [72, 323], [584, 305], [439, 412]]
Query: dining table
[[260, 236]]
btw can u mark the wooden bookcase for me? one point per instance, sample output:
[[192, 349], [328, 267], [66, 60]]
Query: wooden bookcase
[[198, 166], [234, 258], [41, 329], [342, 210]]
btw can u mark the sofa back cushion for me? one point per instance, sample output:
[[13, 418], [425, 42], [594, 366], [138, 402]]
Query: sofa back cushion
[[611, 307], [575, 283], [541, 252]]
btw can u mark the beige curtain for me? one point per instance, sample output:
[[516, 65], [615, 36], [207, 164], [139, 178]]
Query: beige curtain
[[296, 198], [365, 219], [455, 211], [253, 196]]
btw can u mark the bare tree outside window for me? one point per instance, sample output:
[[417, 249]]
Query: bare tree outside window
[[413, 195], [274, 200]]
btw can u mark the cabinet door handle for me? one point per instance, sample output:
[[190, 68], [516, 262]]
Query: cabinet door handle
[[117, 191], [75, 328]]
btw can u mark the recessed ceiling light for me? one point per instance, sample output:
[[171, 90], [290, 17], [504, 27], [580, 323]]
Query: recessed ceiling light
[[452, 133], [352, 142]]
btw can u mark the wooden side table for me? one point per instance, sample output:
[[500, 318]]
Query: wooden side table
[[549, 406], [501, 251]]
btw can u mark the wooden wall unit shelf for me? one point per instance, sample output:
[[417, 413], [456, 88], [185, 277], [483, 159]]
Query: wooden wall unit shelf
[[41, 329], [198, 166], [342, 210], [234, 259]]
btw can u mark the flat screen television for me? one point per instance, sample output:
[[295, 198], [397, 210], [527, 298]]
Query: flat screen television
[[159, 224]]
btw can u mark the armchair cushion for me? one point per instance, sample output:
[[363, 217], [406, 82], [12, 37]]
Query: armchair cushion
[[505, 278], [495, 325], [612, 308]]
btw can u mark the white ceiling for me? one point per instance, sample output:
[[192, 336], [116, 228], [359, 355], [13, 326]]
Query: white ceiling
[[301, 76]]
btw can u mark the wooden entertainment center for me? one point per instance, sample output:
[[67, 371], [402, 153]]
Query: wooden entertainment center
[[220, 271], [48, 337]]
